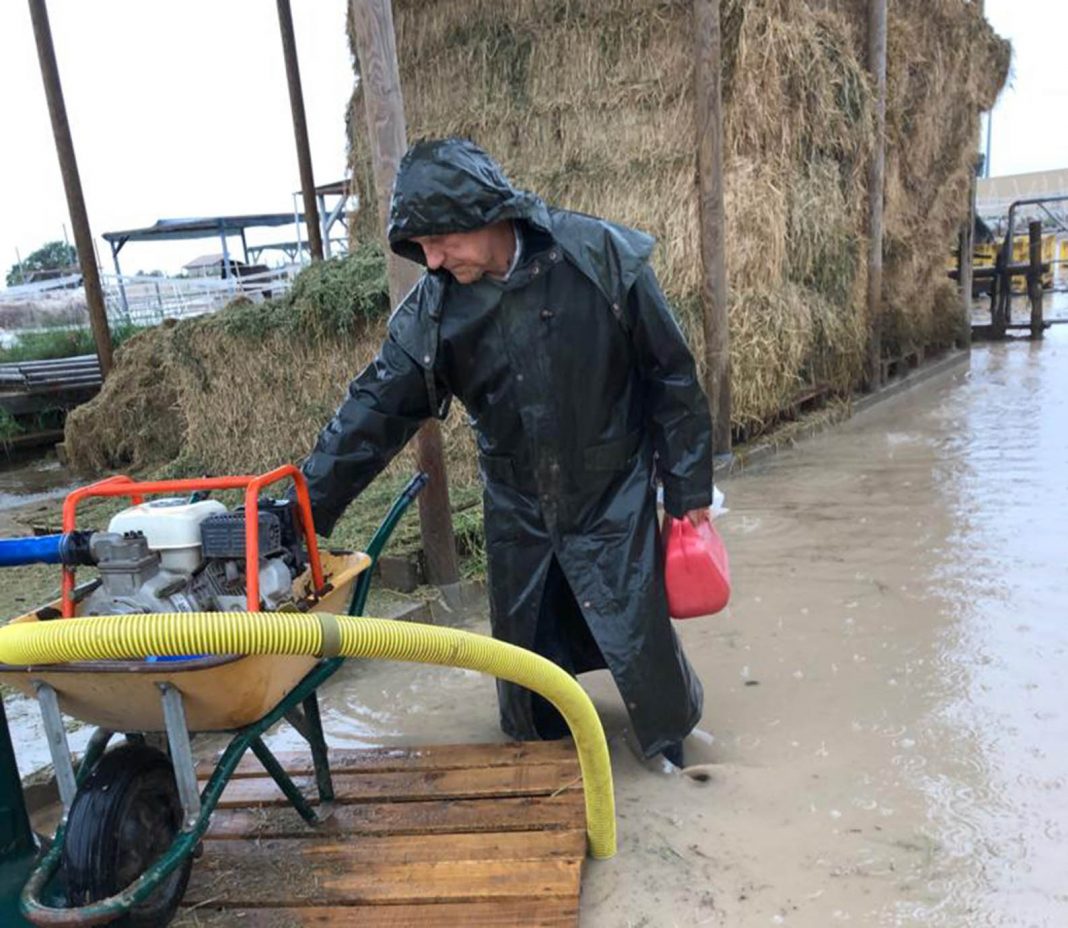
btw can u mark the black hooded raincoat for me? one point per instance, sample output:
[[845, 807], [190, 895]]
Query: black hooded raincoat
[[581, 391]]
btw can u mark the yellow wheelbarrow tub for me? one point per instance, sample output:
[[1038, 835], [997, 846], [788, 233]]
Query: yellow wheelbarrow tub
[[220, 693]]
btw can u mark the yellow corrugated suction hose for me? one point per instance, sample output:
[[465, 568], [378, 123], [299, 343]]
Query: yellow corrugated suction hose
[[130, 637]]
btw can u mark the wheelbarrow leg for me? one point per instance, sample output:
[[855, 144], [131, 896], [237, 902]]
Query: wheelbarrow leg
[[285, 784], [185, 774], [309, 725], [57, 745], [317, 743]]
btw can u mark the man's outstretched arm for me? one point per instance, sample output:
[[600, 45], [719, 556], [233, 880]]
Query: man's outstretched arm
[[384, 408]]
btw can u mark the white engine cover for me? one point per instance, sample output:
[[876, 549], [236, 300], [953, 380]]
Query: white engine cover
[[171, 526]]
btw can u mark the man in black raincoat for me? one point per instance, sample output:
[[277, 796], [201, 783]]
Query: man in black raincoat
[[550, 327]]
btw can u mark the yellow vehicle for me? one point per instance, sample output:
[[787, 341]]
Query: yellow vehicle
[[984, 254], [1021, 255]]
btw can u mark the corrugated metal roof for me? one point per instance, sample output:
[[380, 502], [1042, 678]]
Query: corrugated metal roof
[[206, 227]]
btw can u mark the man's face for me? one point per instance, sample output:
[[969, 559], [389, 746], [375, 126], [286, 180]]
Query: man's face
[[465, 255]]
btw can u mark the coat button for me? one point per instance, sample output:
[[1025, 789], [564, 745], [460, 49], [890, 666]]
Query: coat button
[[586, 604], [535, 270], [554, 255], [547, 314]]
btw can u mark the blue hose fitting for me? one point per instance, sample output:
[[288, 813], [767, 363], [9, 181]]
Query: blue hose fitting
[[69, 548]]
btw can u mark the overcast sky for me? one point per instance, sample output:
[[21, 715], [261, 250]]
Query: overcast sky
[[181, 109], [176, 109]]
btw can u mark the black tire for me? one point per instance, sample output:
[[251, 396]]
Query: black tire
[[123, 817]]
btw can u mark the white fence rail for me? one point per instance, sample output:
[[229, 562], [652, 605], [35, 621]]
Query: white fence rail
[[149, 300], [137, 300]]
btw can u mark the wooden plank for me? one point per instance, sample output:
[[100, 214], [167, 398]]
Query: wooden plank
[[414, 785], [566, 810], [408, 883], [332, 851], [433, 757], [321, 871], [498, 913]]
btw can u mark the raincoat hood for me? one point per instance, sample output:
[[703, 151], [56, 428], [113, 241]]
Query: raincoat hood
[[452, 185]]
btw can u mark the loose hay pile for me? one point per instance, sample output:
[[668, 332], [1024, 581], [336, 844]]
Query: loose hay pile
[[242, 390]]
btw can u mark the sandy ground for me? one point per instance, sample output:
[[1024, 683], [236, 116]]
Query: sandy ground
[[884, 733]]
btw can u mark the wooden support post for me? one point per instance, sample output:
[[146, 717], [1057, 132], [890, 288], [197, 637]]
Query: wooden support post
[[68, 167], [965, 266], [300, 130], [876, 173], [1034, 276], [709, 125], [384, 105], [997, 283]]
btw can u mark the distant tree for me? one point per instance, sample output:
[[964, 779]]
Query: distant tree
[[50, 257]]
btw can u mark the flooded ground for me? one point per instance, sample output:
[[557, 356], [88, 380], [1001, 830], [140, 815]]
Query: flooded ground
[[885, 734], [886, 698]]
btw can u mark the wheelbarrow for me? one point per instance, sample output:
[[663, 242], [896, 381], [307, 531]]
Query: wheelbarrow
[[133, 816]]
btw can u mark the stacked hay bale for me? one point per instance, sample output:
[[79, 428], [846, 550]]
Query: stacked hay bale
[[589, 102]]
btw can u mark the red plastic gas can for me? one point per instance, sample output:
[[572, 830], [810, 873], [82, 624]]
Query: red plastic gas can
[[696, 569]]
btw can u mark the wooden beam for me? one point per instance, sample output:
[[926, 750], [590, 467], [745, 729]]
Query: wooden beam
[[447, 881], [427, 757], [409, 786], [876, 179], [709, 125], [1034, 276], [372, 22], [72, 184], [494, 913], [432, 816], [965, 263], [300, 133]]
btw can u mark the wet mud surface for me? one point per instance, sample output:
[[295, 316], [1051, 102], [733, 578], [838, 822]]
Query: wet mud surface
[[885, 732], [885, 700]]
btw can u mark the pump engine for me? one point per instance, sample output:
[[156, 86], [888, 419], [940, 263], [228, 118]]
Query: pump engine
[[177, 555]]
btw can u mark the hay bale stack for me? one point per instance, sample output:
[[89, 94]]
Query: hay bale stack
[[589, 103]]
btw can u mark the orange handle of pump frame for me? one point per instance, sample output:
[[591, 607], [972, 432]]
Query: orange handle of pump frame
[[252, 485]]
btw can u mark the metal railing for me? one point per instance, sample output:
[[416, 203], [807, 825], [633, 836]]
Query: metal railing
[[134, 299], [149, 300]]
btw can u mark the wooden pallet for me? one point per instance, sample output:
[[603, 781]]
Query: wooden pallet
[[450, 836]]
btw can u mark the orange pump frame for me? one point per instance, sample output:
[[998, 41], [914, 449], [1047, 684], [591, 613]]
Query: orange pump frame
[[252, 485]]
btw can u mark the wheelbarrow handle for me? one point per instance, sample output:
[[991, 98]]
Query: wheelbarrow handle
[[381, 536], [415, 486]]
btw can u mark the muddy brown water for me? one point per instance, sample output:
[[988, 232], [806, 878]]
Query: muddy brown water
[[885, 737], [884, 740]]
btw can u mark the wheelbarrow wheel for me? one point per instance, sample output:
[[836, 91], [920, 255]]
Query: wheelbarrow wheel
[[123, 818]]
